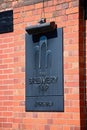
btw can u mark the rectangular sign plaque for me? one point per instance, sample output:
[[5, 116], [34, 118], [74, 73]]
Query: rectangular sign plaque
[[44, 72], [6, 21]]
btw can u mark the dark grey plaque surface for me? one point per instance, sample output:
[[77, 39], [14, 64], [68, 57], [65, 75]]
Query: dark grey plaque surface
[[44, 73], [6, 21]]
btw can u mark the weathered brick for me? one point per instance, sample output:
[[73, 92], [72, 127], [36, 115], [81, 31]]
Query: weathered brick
[[72, 10], [65, 5]]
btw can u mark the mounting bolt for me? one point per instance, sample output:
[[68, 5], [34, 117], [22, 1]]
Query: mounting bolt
[[42, 20]]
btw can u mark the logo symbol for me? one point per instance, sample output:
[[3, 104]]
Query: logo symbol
[[43, 57], [43, 61]]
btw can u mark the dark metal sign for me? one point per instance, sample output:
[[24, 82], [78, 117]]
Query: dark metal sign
[[6, 21], [44, 73]]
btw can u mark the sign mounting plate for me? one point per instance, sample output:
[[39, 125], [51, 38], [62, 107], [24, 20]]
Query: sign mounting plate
[[44, 73]]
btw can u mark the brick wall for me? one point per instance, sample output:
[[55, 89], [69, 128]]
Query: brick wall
[[66, 14]]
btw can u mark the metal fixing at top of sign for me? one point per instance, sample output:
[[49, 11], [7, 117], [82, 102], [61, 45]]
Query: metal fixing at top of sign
[[41, 28]]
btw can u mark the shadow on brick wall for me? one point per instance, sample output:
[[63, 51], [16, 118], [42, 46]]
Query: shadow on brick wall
[[82, 66]]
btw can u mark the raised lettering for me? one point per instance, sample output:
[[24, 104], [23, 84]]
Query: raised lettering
[[43, 104], [43, 80]]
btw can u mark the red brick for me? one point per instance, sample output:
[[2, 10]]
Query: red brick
[[39, 5], [7, 71], [66, 128], [7, 125], [59, 7], [72, 97], [3, 119], [60, 2], [27, 8], [56, 127], [65, 5], [7, 114], [8, 39], [66, 14], [47, 127], [72, 10], [59, 13], [73, 16], [50, 3], [72, 109]]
